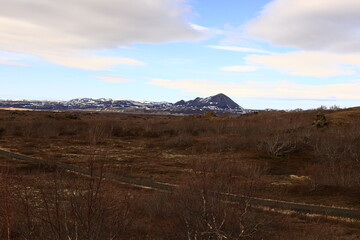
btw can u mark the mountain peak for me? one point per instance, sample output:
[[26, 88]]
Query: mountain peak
[[218, 101]]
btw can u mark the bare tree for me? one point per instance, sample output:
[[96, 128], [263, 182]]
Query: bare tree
[[6, 204], [203, 214]]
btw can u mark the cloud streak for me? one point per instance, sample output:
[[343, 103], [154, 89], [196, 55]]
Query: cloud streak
[[89, 62], [5, 62], [265, 90], [239, 68], [239, 49], [114, 79], [314, 64]]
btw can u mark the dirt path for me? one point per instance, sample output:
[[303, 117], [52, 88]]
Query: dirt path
[[274, 204]]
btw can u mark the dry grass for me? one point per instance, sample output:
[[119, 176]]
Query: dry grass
[[257, 155]]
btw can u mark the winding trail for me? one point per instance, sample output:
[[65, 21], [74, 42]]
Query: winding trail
[[273, 204]]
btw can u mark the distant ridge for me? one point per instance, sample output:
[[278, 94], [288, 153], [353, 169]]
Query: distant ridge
[[219, 103]]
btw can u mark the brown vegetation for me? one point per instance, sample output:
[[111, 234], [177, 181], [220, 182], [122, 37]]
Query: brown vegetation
[[310, 156]]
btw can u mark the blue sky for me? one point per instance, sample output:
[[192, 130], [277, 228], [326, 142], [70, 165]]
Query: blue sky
[[282, 54]]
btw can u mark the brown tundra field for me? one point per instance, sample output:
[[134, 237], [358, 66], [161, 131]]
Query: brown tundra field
[[109, 176]]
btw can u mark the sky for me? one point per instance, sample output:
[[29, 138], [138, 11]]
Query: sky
[[282, 54]]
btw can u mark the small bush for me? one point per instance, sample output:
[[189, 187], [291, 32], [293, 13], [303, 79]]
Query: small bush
[[181, 141], [344, 174], [320, 121], [72, 116], [2, 131]]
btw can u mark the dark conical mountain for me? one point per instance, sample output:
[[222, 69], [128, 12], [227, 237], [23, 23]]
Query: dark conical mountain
[[220, 101]]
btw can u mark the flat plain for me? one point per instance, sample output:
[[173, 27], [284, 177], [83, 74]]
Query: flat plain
[[307, 157]]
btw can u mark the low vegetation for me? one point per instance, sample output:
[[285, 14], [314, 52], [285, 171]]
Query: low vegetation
[[308, 156]]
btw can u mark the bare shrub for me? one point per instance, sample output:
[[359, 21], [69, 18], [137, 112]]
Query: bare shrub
[[72, 209], [181, 141], [337, 144], [337, 156], [125, 129], [72, 128], [202, 215], [193, 125], [158, 128], [277, 145], [195, 210], [44, 129], [99, 132], [2, 131], [7, 206], [344, 173]]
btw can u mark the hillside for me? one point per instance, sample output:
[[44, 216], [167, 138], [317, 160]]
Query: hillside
[[219, 103]]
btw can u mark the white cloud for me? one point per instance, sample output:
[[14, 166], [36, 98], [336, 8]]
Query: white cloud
[[239, 49], [207, 31], [267, 90], [239, 68], [54, 29], [89, 62], [114, 78], [303, 63], [5, 62], [329, 25]]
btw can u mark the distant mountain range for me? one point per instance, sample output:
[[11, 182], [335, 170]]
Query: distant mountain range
[[219, 103]]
